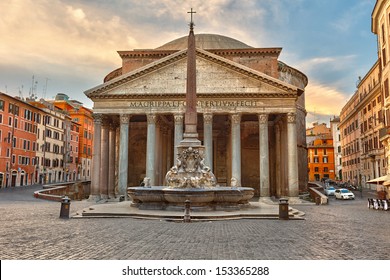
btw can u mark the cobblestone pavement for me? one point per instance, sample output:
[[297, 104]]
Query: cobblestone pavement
[[31, 229]]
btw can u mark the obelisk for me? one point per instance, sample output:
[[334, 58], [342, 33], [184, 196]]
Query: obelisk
[[190, 170], [190, 118]]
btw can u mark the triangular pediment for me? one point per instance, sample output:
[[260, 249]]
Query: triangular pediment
[[215, 75]]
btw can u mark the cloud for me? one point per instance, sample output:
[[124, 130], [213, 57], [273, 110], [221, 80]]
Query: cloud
[[59, 34], [323, 99], [328, 63], [78, 39]]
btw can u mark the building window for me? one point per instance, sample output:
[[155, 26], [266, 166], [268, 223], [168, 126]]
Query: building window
[[315, 169], [1, 105], [384, 57], [325, 159]]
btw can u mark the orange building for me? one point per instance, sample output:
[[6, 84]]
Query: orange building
[[18, 136], [82, 116], [321, 158]]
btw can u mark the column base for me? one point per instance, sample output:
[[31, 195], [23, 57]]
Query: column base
[[94, 197], [112, 196]]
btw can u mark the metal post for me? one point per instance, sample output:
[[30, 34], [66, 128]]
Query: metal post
[[65, 207], [283, 209], [187, 216]]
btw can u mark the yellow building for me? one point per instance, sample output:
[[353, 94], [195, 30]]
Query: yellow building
[[350, 140], [380, 25], [373, 164]]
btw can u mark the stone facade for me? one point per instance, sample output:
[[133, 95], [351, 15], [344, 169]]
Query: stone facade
[[336, 136], [380, 25], [251, 118], [361, 126]]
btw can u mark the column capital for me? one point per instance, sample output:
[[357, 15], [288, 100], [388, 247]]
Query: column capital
[[263, 118], [151, 118], [236, 118], [114, 124], [178, 118], [291, 117], [106, 121], [97, 118], [124, 118], [208, 118]]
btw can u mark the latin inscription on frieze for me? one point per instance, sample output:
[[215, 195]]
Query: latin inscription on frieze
[[200, 104]]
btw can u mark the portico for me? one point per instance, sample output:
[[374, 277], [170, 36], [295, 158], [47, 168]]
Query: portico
[[247, 121]]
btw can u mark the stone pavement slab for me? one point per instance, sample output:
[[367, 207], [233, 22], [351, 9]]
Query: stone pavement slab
[[343, 230]]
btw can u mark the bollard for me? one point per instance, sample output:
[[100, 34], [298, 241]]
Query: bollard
[[187, 216], [283, 209], [65, 207]]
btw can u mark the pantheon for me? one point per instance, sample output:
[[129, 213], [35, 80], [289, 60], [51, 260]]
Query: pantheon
[[251, 117]]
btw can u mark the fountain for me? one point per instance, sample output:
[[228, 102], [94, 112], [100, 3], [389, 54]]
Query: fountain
[[190, 178]]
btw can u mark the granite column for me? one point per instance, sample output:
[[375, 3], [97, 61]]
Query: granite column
[[208, 139], [96, 157], [264, 155], [111, 160], [178, 132], [236, 148], [104, 160], [123, 155], [151, 148], [292, 155]]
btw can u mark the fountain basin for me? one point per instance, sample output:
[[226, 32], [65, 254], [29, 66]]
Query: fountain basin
[[201, 199]]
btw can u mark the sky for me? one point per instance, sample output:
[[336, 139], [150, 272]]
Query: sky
[[69, 46]]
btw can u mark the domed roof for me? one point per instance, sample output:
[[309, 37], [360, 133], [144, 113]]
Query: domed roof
[[205, 41]]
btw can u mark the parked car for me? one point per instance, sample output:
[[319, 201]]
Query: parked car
[[329, 191], [344, 194]]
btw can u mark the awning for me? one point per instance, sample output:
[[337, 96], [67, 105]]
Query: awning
[[387, 183], [380, 180]]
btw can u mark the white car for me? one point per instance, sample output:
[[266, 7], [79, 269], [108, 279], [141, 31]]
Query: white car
[[329, 191], [344, 194]]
